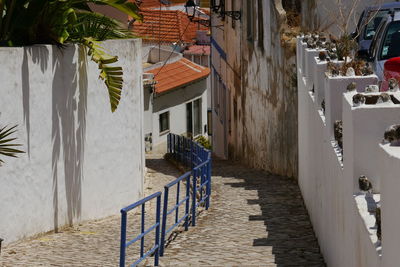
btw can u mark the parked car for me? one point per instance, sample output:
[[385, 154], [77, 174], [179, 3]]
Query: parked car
[[386, 43], [368, 23]]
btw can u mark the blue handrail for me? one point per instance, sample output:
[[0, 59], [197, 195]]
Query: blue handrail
[[200, 163], [198, 159], [178, 203], [156, 226]]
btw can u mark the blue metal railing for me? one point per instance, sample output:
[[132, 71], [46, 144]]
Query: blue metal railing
[[156, 226], [178, 203], [198, 159]]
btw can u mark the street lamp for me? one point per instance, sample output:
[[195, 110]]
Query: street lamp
[[218, 6], [190, 8], [215, 5]]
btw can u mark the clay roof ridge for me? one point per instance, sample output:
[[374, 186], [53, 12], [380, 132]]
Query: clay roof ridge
[[192, 67], [181, 61]]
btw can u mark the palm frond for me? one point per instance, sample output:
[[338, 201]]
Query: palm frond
[[111, 75], [98, 27], [27, 22], [6, 147]]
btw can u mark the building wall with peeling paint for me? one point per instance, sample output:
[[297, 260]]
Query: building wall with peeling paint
[[260, 127]]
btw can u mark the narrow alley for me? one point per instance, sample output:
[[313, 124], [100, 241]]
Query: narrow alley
[[255, 219]]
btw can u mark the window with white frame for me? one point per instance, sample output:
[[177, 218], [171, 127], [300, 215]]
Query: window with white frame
[[197, 129], [194, 118]]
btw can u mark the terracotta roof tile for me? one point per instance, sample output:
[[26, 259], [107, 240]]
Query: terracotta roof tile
[[197, 50], [156, 3], [178, 74], [169, 26]]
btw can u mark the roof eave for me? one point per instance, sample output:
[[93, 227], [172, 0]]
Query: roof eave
[[181, 85]]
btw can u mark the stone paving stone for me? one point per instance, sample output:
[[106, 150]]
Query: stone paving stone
[[255, 219], [92, 243]]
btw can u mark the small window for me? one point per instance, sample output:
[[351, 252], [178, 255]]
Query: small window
[[164, 122]]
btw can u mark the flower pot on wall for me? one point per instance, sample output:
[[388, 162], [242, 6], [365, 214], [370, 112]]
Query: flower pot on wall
[[363, 129], [320, 67], [310, 54], [334, 89]]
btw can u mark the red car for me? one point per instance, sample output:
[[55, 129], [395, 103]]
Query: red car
[[391, 70]]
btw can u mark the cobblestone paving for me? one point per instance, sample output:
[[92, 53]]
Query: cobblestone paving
[[93, 243], [255, 219]]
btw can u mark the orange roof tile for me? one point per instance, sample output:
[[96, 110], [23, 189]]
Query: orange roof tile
[[177, 74], [156, 3], [169, 26], [197, 50]]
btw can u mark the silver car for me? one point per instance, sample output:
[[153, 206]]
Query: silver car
[[386, 43], [368, 23]]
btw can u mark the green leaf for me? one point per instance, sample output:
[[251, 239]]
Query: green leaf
[[6, 148], [112, 75]]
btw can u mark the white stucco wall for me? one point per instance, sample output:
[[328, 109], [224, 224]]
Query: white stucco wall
[[82, 162], [327, 180], [364, 128], [318, 79], [334, 89], [389, 158], [309, 56]]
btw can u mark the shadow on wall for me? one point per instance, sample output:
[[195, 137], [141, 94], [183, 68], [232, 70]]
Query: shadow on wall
[[69, 107], [39, 55]]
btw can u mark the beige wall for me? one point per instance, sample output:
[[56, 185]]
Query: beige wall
[[262, 110]]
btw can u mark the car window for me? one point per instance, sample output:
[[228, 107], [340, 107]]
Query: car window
[[360, 20], [391, 41], [375, 41], [373, 20]]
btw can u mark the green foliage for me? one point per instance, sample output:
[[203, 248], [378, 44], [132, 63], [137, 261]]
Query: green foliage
[[204, 142], [28, 22], [112, 76], [7, 148], [345, 46], [98, 27]]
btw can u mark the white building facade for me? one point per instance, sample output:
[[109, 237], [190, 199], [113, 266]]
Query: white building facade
[[175, 101]]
